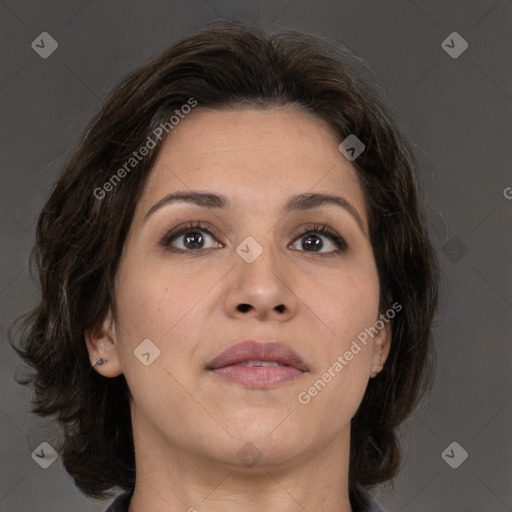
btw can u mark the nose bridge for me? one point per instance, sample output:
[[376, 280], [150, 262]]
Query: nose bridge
[[258, 282], [258, 259]]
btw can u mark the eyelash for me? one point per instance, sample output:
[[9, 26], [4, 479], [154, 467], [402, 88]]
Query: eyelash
[[321, 229]]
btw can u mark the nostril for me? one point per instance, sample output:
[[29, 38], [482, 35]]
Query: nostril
[[244, 307]]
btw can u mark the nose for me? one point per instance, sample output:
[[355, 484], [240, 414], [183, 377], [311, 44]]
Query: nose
[[262, 288]]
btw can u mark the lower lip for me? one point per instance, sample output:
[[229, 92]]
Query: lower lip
[[258, 376]]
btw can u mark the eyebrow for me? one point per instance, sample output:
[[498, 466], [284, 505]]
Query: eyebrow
[[306, 201]]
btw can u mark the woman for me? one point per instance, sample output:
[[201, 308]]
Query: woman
[[237, 283]]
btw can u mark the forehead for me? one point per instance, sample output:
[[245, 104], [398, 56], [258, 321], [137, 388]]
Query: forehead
[[253, 156]]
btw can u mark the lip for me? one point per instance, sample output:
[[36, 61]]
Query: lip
[[228, 364], [257, 351]]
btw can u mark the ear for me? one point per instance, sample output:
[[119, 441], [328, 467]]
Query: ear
[[101, 342], [381, 346]]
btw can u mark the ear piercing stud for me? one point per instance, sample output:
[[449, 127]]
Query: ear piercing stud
[[98, 362]]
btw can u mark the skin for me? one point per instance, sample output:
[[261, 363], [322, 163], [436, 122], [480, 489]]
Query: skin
[[188, 423]]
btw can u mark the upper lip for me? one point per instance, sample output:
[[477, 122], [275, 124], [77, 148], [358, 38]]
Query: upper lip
[[257, 351]]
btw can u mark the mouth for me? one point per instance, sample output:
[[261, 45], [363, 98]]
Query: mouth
[[256, 364]]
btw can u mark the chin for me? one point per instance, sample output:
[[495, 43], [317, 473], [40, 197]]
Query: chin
[[261, 423]]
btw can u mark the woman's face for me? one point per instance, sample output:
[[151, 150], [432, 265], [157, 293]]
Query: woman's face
[[255, 270]]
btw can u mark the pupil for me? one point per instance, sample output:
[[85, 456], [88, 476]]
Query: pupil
[[312, 241], [192, 238]]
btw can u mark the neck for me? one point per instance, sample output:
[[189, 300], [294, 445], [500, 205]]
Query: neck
[[170, 478]]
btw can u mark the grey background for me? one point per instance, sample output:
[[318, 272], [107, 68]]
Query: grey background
[[457, 113]]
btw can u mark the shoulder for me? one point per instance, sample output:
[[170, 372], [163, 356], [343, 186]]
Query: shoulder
[[121, 503]]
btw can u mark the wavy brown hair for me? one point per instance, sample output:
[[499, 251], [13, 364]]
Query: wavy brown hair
[[80, 238]]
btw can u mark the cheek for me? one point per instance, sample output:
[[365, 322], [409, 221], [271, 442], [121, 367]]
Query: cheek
[[155, 306], [347, 304], [165, 306], [348, 307], [151, 303]]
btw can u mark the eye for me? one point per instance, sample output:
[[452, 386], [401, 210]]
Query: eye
[[312, 241], [191, 237]]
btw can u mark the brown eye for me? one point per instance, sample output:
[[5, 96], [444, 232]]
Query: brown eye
[[188, 238], [312, 241]]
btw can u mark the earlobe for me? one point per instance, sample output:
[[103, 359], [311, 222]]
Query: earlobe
[[381, 347], [101, 343]]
